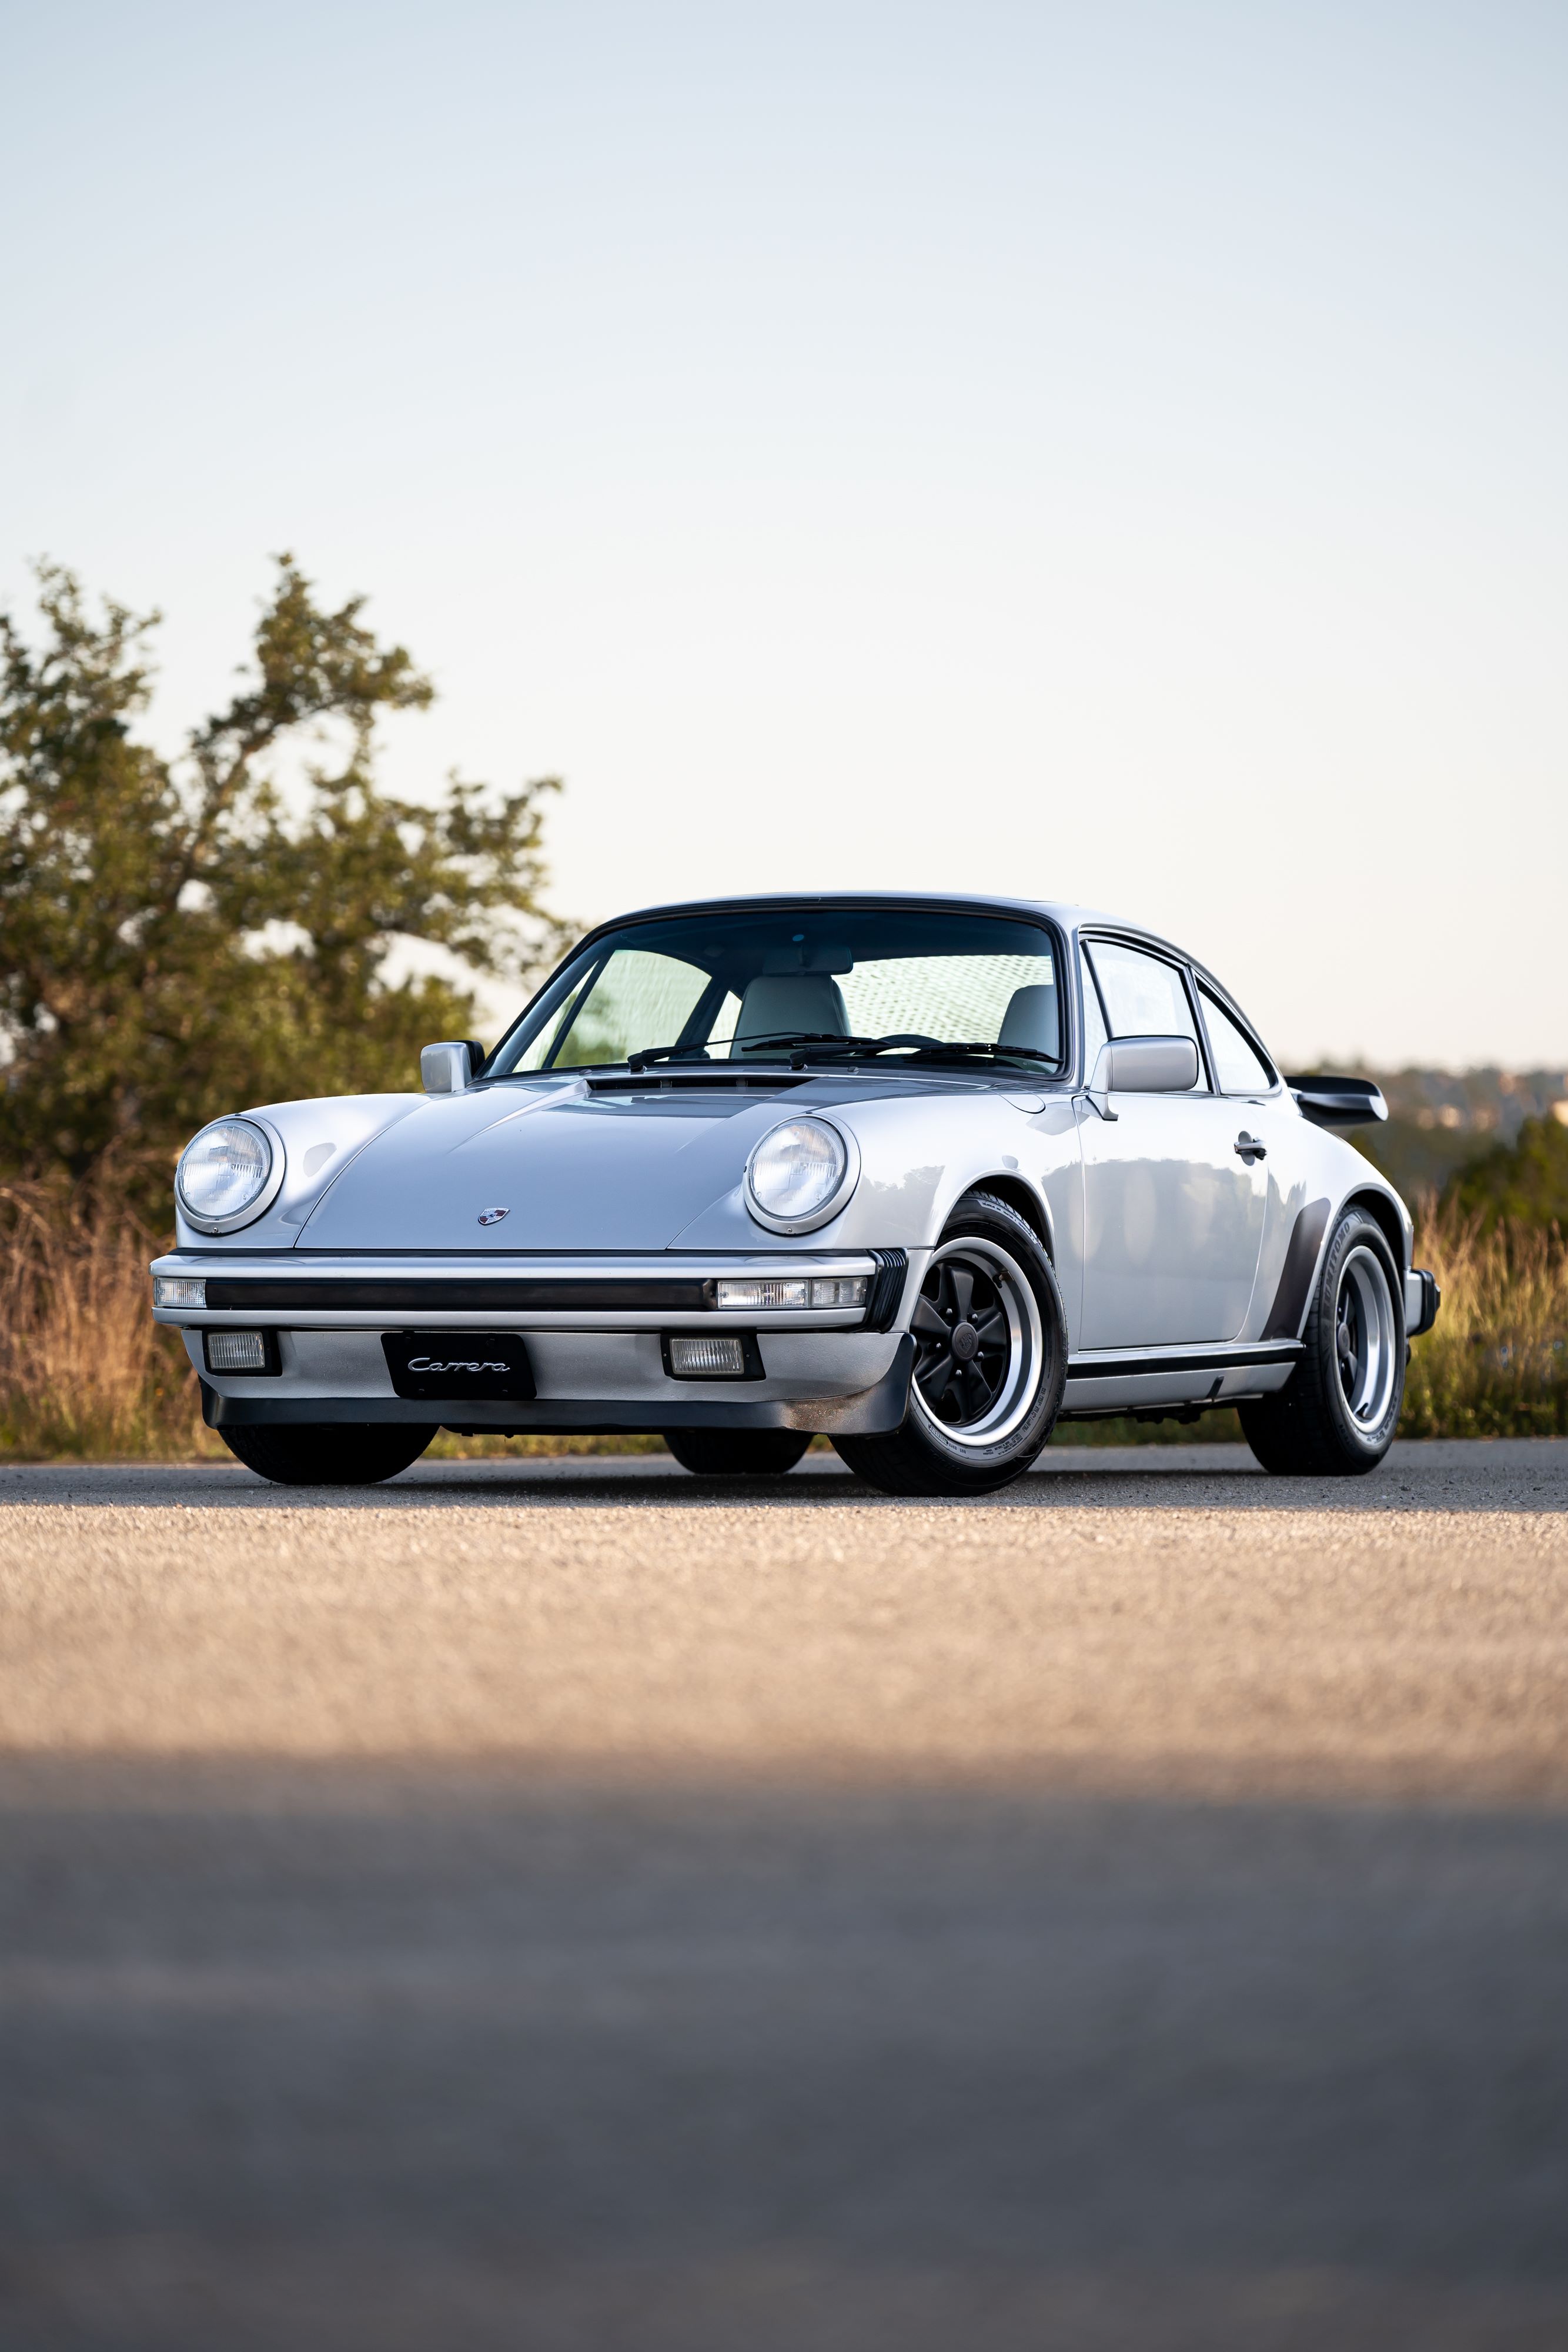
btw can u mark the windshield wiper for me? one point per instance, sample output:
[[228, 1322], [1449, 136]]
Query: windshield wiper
[[807, 1046], [1000, 1053], [923, 1049], [645, 1056]]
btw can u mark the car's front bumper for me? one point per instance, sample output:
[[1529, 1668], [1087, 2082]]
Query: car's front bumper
[[594, 1327]]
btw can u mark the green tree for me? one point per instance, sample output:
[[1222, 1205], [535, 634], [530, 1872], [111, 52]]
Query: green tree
[[181, 937]]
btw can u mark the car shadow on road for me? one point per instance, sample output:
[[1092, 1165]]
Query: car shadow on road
[[1521, 1476]]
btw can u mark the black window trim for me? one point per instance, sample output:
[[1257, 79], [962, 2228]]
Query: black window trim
[[570, 1006], [1203, 981], [1158, 952], [1089, 979]]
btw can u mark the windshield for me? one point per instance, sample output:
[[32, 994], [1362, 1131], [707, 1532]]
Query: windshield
[[814, 983]]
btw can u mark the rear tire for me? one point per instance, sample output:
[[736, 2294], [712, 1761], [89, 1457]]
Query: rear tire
[[324, 1454], [1336, 1416], [990, 1364], [737, 1453]]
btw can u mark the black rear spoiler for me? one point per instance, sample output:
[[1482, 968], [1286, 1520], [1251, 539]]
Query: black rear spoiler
[[1339, 1102]]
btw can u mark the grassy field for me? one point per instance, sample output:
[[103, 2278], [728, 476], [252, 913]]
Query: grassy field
[[84, 1374]]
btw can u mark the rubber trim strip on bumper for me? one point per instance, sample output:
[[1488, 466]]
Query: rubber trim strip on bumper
[[1431, 1300], [516, 1293], [886, 1289]]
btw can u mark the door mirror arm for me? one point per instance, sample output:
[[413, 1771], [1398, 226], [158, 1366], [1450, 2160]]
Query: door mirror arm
[[1096, 1094]]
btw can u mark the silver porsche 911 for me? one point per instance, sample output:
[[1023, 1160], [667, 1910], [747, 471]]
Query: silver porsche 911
[[927, 1175]]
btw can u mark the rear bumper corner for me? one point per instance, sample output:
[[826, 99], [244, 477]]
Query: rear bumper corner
[[1422, 1300]]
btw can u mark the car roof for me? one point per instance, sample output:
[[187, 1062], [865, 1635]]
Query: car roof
[[1064, 914]]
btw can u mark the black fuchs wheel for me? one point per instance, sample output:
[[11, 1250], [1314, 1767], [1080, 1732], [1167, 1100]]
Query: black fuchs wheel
[[321, 1453], [1336, 1416], [990, 1361], [737, 1453]]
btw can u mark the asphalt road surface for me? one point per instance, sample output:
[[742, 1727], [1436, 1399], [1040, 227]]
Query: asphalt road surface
[[537, 1905]]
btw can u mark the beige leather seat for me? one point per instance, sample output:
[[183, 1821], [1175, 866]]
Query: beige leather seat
[[812, 1001], [1030, 1019]]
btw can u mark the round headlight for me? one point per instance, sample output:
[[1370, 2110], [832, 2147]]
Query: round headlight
[[225, 1176], [799, 1176]]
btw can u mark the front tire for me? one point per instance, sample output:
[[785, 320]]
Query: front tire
[[990, 1364], [1336, 1416], [323, 1453], [737, 1453]]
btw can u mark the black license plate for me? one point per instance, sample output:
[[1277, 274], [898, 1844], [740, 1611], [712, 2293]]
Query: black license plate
[[458, 1364]]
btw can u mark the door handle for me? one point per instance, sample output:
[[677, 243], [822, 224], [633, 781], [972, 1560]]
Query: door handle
[[1249, 1148]]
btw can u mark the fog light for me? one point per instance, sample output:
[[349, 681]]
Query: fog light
[[237, 1351], [705, 1358], [179, 1290]]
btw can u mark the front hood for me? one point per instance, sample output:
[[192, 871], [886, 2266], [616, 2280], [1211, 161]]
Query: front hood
[[573, 1171]]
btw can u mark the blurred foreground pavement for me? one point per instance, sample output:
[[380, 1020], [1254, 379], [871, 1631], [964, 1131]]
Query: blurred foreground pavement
[[568, 1905]]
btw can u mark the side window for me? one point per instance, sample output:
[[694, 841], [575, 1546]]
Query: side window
[[1236, 1067], [1095, 1031], [1145, 996]]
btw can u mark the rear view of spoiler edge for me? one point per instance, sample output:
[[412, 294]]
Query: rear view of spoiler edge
[[1339, 1102]]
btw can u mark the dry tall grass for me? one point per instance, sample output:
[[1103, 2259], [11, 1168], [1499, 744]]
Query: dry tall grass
[[85, 1372], [83, 1369], [1496, 1364]]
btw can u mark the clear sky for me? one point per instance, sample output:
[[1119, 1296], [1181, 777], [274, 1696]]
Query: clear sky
[[1108, 452]]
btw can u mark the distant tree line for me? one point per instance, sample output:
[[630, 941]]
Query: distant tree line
[[1522, 1182], [1518, 1178], [179, 938]]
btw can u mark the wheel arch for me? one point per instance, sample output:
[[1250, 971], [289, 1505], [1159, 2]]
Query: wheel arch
[[1384, 1215], [1018, 1195]]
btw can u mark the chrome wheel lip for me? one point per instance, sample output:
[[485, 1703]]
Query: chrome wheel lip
[[1365, 1341], [1026, 1347]]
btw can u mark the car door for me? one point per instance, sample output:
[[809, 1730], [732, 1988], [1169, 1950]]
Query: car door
[[1173, 1213], [1264, 1115]]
